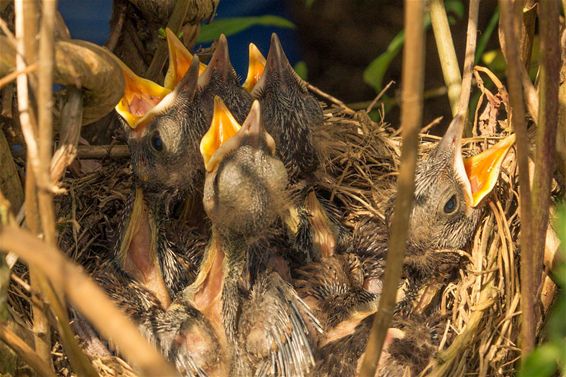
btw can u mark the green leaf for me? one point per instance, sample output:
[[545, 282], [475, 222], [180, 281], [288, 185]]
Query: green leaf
[[234, 25], [541, 362], [494, 60], [301, 69], [486, 35], [375, 71], [456, 7], [309, 3]]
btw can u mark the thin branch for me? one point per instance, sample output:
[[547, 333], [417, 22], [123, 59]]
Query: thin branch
[[119, 13], [88, 298], [411, 118], [175, 23], [14, 75], [546, 131], [471, 40], [103, 151], [24, 351], [510, 16], [446, 52], [26, 33], [379, 95]]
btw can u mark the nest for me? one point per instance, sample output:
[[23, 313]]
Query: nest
[[480, 307]]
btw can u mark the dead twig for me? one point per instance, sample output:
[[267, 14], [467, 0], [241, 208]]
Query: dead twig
[[549, 14], [411, 118], [87, 297], [446, 52], [14, 75], [103, 151], [510, 14], [379, 95]]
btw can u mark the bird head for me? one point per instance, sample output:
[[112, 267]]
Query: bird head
[[160, 130], [289, 110], [220, 79], [245, 183], [450, 189]]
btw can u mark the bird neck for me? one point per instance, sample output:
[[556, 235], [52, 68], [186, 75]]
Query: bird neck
[[138, 250]]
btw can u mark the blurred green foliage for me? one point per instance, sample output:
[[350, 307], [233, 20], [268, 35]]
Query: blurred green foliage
[[301, 69], [550, 357], [234, 25], [486, 35], [376, 70]]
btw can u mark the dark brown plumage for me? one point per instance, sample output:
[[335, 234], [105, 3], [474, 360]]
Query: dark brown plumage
[[164, 147], [266, 324], [443, 218], [290, 113]]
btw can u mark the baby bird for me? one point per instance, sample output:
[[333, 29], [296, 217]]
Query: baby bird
[[447, 208], [164, 141], [163, 129], [290, 113], [449, 191], [259, 318]]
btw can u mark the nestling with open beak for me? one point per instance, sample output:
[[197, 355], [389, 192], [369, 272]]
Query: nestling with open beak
[[447, 208], [180, 60], [259, 318]]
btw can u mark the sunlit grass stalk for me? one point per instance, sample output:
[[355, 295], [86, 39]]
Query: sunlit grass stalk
[[471, 41], [88, 298], [411, 118], [26, 32], [446, 52], [79, 361], [511, 15]]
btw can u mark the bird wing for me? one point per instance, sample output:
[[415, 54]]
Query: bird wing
[[187, 339], [336, 286], [274, 329]]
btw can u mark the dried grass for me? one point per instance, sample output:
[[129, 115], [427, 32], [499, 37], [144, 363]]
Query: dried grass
[[481, 307]]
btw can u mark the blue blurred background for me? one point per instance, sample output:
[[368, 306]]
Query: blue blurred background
[[89, 20]]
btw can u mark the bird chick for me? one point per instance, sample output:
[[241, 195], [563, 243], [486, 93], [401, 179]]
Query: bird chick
[[290, 113], [447, 208], [261, 320]]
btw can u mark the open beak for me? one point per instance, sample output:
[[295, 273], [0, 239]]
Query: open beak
[[140, 96], [222, 128], [483, 169], [226, 135], [477, 174], [255, 69], [179, 61], [138, 250]]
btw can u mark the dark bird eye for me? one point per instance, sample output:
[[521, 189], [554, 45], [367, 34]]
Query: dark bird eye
[[156, 142], [450, 205]]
